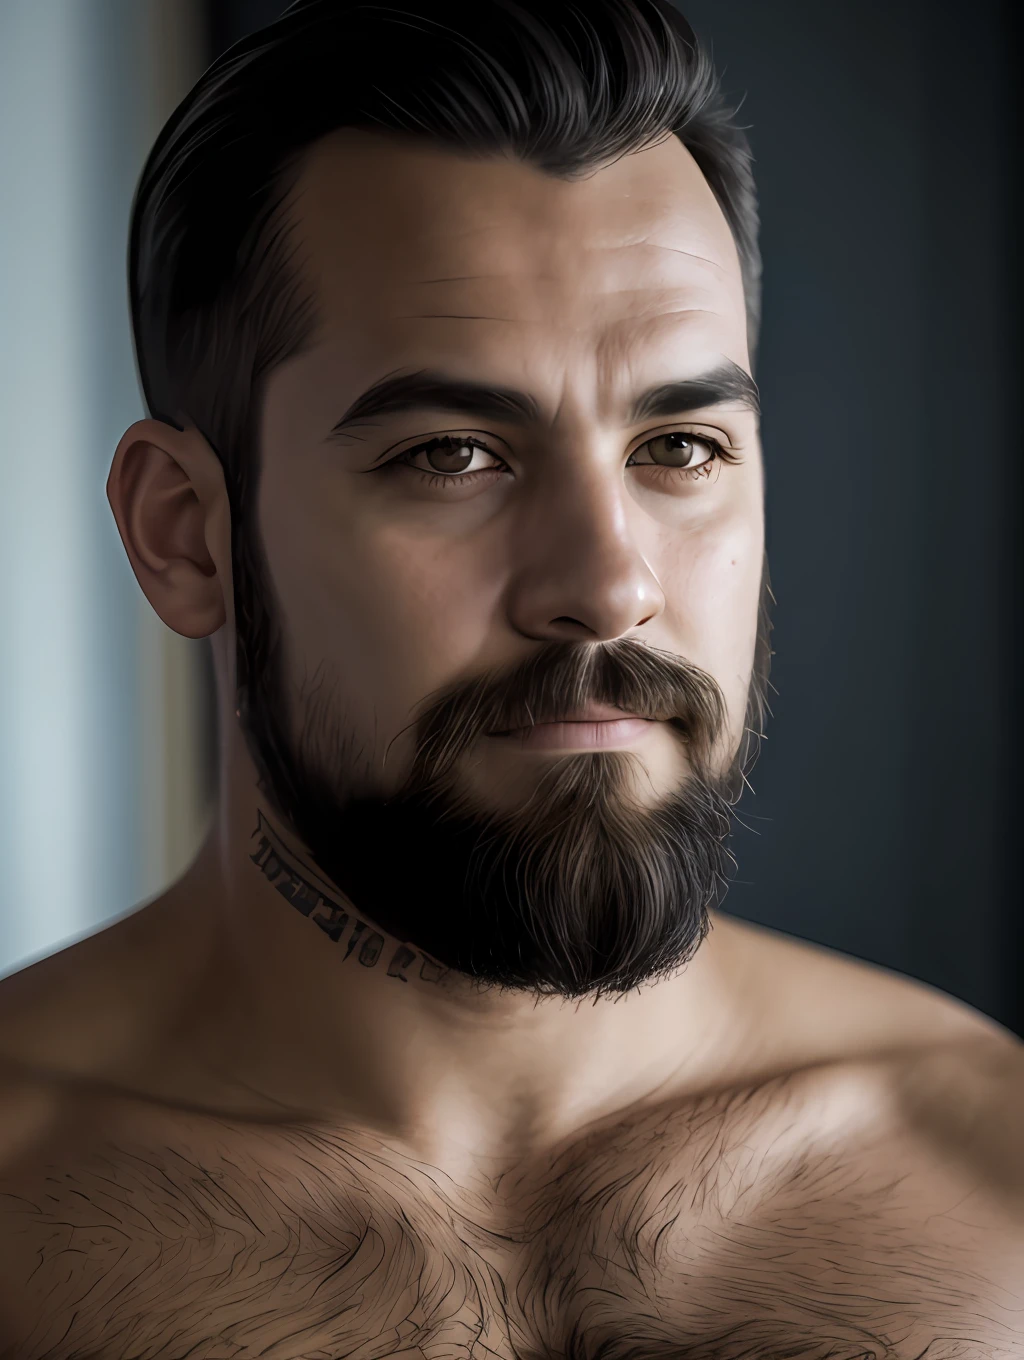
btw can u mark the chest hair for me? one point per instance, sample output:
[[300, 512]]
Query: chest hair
[[684, 1233]]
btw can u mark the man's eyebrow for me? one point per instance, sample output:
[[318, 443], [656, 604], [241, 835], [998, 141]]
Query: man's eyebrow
[[429, 389], [726, 384]]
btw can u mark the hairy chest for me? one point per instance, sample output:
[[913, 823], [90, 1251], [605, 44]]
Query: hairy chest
[[305, 1246]]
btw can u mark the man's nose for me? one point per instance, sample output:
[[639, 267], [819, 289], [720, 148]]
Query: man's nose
[[582, 574]]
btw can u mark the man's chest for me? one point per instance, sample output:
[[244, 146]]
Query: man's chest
[[303, 1246]]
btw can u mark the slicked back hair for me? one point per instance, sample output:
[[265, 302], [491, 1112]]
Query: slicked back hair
[[568, 86]]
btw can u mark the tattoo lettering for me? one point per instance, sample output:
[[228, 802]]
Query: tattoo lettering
[[400, 959], [299, 885]]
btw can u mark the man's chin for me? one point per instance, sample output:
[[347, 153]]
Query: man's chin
[[580, 893]]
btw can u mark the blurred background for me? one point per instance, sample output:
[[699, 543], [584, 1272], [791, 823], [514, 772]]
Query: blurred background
[[887, 811]]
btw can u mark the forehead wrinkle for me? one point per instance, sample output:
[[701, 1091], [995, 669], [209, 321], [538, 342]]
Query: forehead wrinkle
[[570, 284], [653, 299], [639, 322], [631, 330], [646, 244], [450, 278], [640, 290], [460, 316], [584, 248]]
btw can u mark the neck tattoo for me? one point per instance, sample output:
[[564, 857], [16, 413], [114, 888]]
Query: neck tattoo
[[300, 885]]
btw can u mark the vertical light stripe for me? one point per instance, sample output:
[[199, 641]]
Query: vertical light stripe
[[47, 584], [84, 85]]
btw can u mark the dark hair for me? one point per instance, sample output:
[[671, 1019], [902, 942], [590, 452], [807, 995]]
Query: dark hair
[[565, 85]]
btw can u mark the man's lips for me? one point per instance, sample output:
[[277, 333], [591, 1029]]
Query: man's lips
[[590, 713], [590, 728]]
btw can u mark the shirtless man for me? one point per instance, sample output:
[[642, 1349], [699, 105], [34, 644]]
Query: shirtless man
[[443, 1048]]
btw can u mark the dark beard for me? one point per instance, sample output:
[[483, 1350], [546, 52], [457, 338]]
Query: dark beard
[[577, 894], [581, 892]]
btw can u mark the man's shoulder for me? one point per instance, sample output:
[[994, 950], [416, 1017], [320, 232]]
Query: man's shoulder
[[918, 1167], [880, 1059], [891, 1191], [960, 1105], [97, 1007], [957, 1104], [876, 1153], [816, 1006], [54, 1014], [839, 1198]]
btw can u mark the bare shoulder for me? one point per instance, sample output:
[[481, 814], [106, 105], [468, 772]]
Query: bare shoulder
[[76, 1030], [95, 1008], [813, 1005], [954, 1107], [894, 1072], [65, 1019], [963, 1104], [887, 1184], [906, 1176]]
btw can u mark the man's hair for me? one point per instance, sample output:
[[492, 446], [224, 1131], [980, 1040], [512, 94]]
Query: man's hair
[[567, 86]]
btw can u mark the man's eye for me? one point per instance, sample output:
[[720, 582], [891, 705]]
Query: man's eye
[[447, 461], [680, 450], [447, 455]]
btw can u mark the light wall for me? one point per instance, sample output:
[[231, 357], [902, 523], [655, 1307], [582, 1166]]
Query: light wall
[[103, 785]]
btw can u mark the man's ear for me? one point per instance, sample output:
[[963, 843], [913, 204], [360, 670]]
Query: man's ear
[[166, 489]]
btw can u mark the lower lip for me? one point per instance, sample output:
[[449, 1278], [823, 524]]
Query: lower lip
[[577, 736]]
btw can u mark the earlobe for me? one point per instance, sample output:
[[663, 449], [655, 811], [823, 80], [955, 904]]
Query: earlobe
[[166, 490]]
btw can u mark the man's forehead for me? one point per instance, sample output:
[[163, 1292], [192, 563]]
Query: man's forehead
[[376, 213]]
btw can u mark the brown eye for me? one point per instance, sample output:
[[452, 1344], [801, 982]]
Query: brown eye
[[449, 455], [680, 450]]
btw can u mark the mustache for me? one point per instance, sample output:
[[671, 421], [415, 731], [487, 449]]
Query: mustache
[[560, 679]]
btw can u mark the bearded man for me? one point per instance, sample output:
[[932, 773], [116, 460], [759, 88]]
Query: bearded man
[[445, 315]]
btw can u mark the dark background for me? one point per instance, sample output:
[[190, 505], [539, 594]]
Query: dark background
[[885, 822]]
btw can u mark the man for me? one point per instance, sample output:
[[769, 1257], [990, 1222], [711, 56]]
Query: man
[[445, 318]]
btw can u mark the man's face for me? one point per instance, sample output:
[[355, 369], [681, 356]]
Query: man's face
[[436, 574]]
